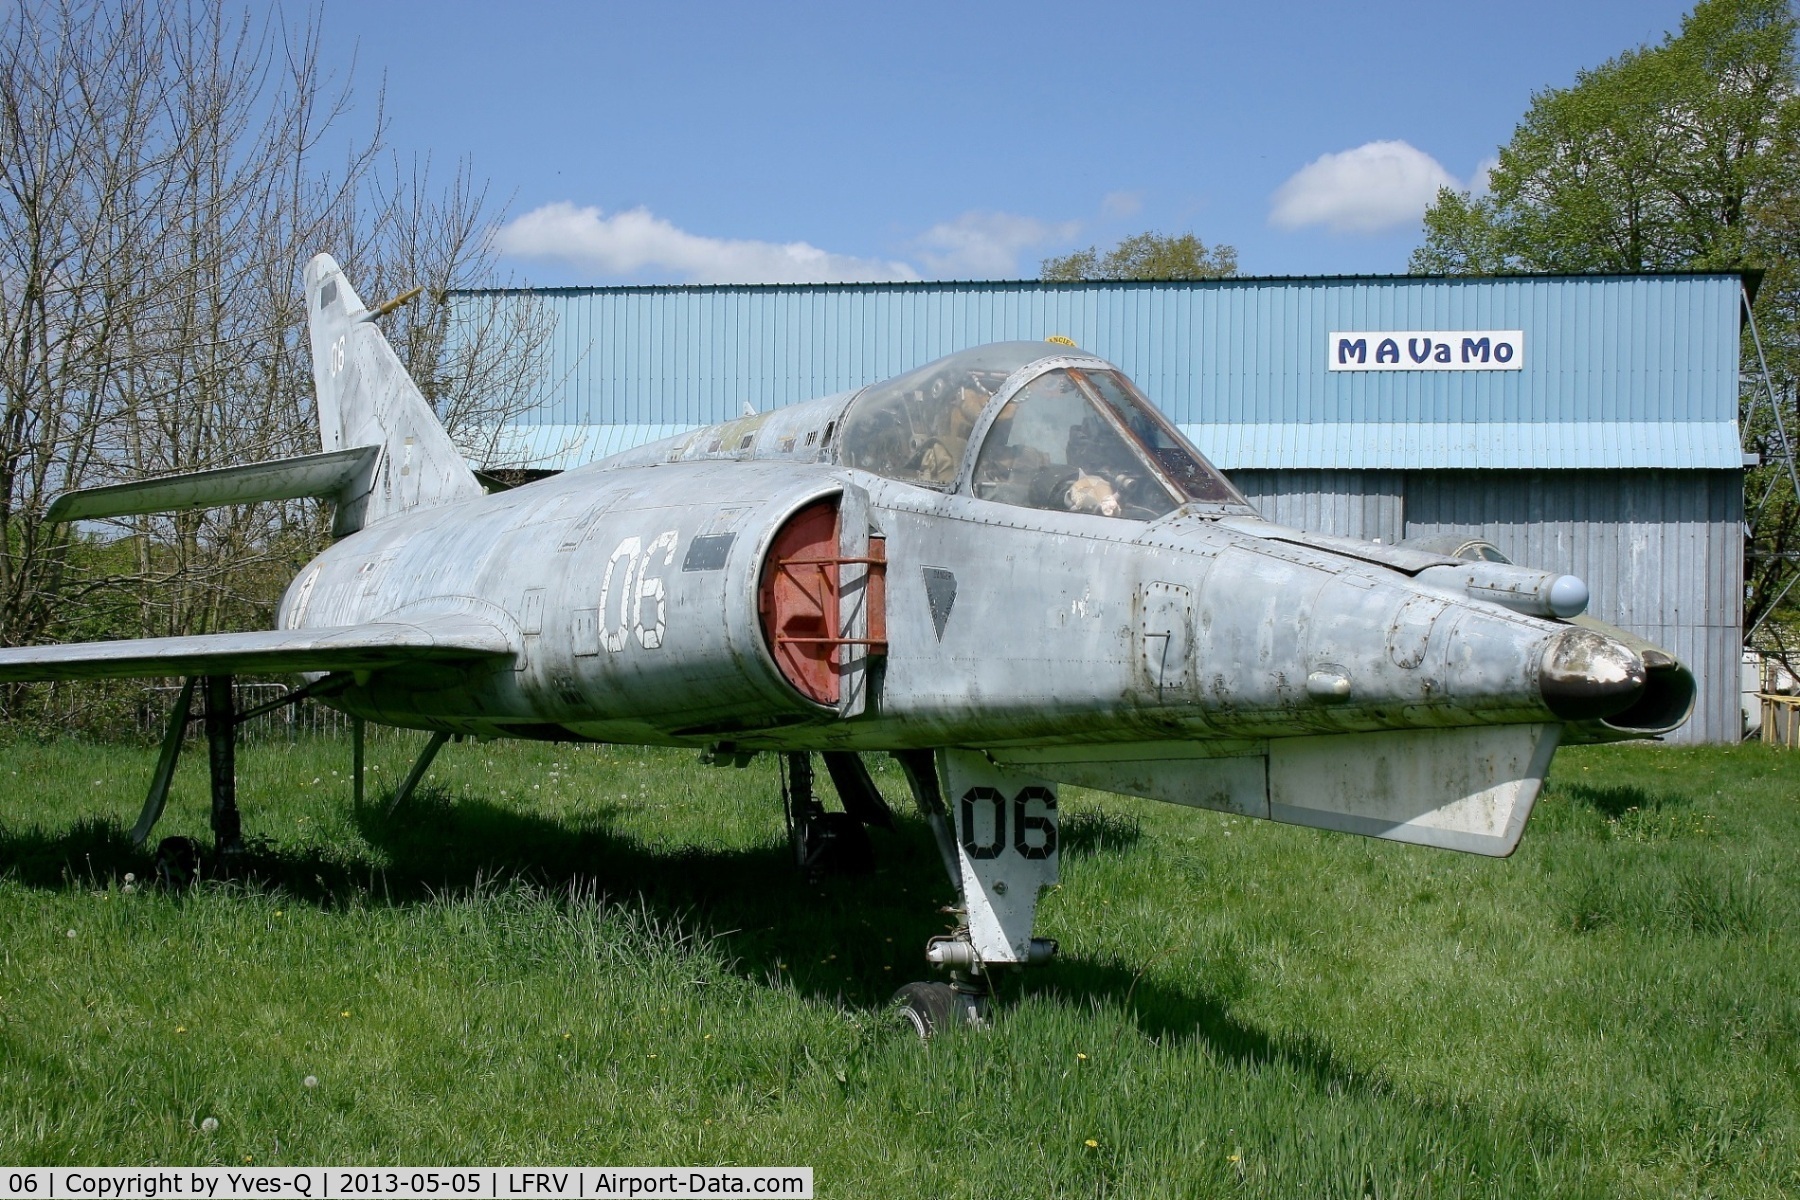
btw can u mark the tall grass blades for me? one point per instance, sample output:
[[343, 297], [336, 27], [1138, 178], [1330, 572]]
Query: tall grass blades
[[560, 954]]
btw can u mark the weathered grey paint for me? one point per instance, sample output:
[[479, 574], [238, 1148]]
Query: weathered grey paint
[[1661, 551]]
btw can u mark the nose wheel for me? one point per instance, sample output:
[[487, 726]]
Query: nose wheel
[[932, 1007], [998, 839]]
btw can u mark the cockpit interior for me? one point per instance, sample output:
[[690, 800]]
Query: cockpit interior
[[1075, 436]]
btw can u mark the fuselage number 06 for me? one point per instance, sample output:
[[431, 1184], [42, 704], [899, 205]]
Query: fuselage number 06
[[629, 584]]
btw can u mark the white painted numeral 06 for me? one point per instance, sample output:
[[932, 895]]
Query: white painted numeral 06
[[637, 586], [651, 586]]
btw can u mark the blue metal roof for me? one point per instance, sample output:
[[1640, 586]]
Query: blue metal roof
[[1617, 371]]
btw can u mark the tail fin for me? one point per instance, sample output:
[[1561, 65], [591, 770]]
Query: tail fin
[[366, 398]]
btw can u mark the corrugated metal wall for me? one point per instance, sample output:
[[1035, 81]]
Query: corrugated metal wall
[[1661, 551], [1360, 504], [1626, 371]]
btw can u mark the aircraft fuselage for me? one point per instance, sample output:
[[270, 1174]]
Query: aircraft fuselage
[[632, 593]]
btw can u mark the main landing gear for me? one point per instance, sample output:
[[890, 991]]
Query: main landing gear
[[832, 843], [180, 860]]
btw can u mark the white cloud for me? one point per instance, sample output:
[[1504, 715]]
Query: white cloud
[[637, 240], [986, 245], [1374, 187], [1478, 182], [975, 245]]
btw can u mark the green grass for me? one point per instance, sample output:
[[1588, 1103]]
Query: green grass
[[601, 956]]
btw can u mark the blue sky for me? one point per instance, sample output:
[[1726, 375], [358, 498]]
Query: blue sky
[[676, 142]]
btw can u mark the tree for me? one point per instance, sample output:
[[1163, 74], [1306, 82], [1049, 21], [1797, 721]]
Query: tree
[[1666, 157], [1679, 156], [162, 181], [1148, 255]]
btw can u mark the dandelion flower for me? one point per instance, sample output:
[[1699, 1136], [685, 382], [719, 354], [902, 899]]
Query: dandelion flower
[[1081, 1058], [210, 1125], [1091, 1144], [181, 1029], [278, 912], [345, 1013]]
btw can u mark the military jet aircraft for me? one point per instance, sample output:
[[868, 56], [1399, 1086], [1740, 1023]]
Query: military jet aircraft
[[1005, 568]]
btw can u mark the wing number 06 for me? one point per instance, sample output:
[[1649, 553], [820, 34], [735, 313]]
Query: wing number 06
[[1033, 833]]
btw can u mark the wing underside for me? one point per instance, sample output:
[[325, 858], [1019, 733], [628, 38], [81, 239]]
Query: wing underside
[[281, 651]]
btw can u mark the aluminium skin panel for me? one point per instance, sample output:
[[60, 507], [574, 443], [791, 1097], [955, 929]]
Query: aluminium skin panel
[[1661, 551]]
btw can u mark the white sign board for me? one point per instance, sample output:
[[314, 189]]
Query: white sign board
[[1427, 350]]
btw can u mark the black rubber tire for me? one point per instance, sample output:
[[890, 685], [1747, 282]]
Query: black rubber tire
[[930, 1007], [177, 863], [837, 844]]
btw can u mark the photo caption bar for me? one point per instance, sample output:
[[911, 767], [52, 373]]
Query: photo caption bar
[[380, 1183]]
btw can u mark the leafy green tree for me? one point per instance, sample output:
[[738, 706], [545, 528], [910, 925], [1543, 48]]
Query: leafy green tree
[[1678, 156], [1148, 255]]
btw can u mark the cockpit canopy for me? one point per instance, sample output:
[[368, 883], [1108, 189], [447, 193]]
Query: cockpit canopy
[[1073, 437], [915, 427]]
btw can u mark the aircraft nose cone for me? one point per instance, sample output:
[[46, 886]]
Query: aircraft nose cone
[[1586, 676]]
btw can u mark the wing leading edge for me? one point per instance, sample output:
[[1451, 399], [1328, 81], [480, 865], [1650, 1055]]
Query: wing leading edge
[[279, 651]]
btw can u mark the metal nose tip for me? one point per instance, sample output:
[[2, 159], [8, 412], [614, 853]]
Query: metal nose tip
[[1586, 676]]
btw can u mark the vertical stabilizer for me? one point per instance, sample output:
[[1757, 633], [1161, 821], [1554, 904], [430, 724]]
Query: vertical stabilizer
[[366, 398]]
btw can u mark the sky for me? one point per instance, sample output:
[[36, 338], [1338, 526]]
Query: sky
[[782, 142]]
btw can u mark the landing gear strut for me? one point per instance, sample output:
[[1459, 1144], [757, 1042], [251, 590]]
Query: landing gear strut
[[178, 859], [999, 845], [221, 755], [824, 843]]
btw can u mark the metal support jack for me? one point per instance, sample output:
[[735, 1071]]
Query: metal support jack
[[158, 796], [356, 761], [413, 776], [221, 753], [175, 733]]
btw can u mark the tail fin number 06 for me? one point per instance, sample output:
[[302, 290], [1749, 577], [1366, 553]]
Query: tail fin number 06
[[1026, 825], [628, 584]]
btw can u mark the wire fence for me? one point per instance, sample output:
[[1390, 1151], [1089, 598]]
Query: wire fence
[[302, 719]]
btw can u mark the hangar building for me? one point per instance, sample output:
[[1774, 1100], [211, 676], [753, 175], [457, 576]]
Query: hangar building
[[1582, 423]]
